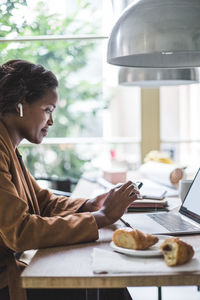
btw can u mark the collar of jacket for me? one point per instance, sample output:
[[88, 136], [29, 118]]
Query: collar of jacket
[[24, 177]]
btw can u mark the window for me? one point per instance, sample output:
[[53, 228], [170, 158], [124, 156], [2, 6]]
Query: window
[[95, 116], [180, 123]]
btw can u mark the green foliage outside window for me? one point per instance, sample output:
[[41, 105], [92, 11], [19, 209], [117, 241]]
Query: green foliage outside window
[[67, 59]]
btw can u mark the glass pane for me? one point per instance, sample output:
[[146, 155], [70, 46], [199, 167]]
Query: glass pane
[[91, 102], [80, 86], [39, 17], [72, 160], [180, 123]]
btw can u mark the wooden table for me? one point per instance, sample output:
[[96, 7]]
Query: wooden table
[[71, 267]]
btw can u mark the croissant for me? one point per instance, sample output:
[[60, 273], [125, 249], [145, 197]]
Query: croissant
[[176, 252], [133, 239]]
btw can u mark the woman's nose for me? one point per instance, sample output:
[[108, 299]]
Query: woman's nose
[[50, 120]]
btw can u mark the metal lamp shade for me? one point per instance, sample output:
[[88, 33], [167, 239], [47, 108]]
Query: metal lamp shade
[[148, 77], [157, 34]]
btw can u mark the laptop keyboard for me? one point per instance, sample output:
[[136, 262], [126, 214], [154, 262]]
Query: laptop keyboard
[[173, 222]]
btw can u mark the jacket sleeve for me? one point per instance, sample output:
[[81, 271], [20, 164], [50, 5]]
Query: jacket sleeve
[[52, 205], [21, 230]]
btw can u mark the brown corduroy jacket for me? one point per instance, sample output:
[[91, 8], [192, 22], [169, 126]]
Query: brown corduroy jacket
[[33, 218]]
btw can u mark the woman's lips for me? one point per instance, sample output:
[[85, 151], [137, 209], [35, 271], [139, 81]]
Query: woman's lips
[[44, 131]]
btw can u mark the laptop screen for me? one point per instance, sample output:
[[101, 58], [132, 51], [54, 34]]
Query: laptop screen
[[191, 203]]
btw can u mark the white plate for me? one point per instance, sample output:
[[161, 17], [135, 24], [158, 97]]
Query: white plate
[[150, 252]]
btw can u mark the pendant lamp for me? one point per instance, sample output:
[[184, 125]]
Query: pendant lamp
[[153, 77], [157, 34]]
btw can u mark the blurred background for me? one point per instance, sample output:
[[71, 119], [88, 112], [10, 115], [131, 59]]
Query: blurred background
[[98, 123]]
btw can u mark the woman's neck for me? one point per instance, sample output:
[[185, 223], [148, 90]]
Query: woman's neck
[[9, 123]]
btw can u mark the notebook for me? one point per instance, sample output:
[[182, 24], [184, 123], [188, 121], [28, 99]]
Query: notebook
[[148, 205], [185, 221]]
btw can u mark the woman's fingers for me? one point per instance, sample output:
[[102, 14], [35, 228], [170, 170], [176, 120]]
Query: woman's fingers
[[129, 189], [124, 186], [133, 190], [117, 201]]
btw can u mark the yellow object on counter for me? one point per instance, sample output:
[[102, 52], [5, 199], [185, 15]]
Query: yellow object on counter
[[158, 156]]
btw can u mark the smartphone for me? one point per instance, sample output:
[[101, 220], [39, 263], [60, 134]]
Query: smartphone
[[139, 185]]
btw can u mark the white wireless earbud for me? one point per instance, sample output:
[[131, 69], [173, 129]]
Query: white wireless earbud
[[20, 110]]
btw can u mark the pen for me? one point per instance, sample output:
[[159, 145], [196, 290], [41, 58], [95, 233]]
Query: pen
[[139, 185], [126, 223]]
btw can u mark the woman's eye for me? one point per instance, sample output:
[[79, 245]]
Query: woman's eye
[[48, 110]]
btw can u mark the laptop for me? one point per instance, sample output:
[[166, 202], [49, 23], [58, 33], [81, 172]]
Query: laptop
[[185, 221]]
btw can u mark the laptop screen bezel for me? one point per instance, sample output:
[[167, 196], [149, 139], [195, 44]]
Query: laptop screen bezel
[[184, 211]]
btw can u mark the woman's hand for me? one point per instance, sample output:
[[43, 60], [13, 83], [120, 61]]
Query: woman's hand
[[94, 204], [115, 203]]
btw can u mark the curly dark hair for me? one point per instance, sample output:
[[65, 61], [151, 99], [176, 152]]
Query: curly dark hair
[[23, 80]]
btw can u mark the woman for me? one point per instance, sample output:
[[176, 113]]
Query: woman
[[31, 217]]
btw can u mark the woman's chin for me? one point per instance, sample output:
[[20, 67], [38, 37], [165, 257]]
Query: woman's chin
[[36, 140]]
